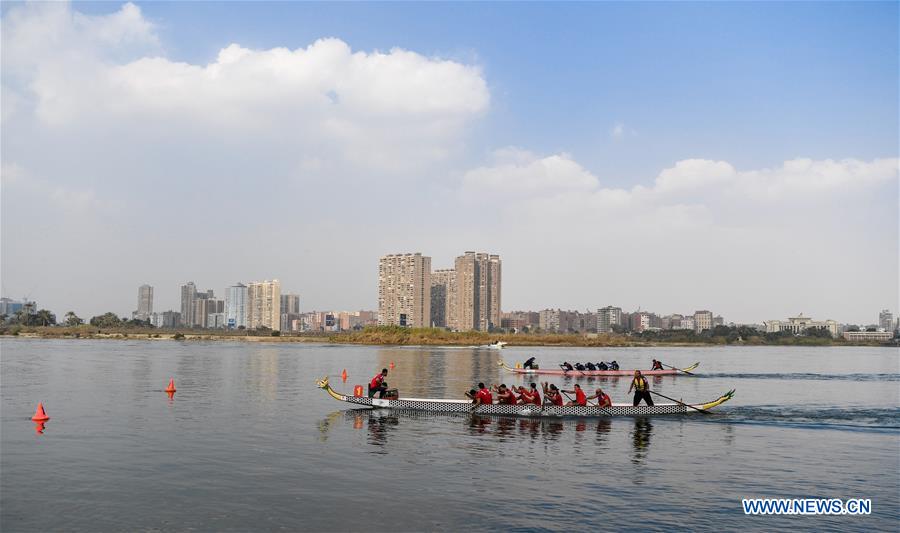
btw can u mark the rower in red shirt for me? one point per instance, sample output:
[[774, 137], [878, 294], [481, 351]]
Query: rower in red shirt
[[535, 395], [483, 396], [603, 399], [580, 397], [378, 385], [552, 395], [505, 396]]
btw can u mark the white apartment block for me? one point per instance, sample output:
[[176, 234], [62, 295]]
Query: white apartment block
[[264, 304], [404, 290]]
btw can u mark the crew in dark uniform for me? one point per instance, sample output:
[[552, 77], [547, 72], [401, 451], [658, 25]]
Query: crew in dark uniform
[[529, 363]]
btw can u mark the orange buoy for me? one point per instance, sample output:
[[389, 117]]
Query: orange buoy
[[171, 387], [344, 376], [392, 365], [358, 391], [40, 415]]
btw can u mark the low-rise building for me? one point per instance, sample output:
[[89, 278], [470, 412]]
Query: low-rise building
[[798, 324], [863, 336]]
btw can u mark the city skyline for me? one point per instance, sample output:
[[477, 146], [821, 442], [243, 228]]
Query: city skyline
[[726, 158]]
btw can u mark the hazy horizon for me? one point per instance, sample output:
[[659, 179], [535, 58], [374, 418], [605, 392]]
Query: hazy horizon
[[740, 158]]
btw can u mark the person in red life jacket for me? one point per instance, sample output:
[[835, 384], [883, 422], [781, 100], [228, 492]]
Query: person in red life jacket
[[603, 399], [378, 384], [483, 396], [580, 396], [656, 365], [552, 395], [505, 396], [641, 389]]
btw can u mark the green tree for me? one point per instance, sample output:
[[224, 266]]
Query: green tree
[[72, 319], [106, 320], [45, 318]]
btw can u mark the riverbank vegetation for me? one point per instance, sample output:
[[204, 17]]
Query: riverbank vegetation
[[394, 335]]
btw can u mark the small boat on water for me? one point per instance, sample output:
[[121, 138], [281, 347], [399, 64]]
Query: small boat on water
[[525, 410], [598, 373], [498, 345]]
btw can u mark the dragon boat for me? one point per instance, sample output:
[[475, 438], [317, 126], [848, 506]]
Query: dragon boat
[[525, 410], [597, 373]]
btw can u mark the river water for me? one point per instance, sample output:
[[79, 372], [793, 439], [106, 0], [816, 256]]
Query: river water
[[250, 444]]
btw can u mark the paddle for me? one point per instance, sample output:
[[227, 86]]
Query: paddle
[[676, 401], [678, 369]]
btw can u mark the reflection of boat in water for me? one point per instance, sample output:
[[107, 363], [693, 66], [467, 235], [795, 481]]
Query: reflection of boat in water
[[579, 373], [527, 410]]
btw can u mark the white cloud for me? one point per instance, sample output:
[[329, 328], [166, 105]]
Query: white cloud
[[517, 172], [698, 234], [394, 110]]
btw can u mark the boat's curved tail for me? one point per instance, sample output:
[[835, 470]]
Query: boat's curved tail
[[718, 401]]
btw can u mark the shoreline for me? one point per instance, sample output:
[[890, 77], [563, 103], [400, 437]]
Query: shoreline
[[412, 338]]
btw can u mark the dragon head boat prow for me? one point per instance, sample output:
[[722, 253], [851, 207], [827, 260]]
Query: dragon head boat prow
[[322, 383]]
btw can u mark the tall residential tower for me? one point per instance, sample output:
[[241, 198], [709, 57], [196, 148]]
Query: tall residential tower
[[478, 292], [404, 290]]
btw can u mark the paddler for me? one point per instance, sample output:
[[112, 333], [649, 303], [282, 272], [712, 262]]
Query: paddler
[[529, 363], [483, 396], [505, 396], [535, 395], [552, 395], [656, 365], [580, 397], [378, 384], [641, 389], [603, 399]]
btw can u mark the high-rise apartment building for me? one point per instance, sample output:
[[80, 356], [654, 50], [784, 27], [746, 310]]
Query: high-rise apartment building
[[443, 298], [886, 320], [188, 295], [264, 304], [236, 306], [607, 317], [290, 303], [404, 290], [703, 320], [478, 282], [145, 303]]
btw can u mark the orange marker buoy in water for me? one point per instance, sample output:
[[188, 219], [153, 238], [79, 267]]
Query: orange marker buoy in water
[[40, 415], [171, 388], [392, 365], [344, 376]]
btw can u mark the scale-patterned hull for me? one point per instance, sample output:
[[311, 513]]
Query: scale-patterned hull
[[464, 406]]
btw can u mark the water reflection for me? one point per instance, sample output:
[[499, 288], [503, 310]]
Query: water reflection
[[641, 439]]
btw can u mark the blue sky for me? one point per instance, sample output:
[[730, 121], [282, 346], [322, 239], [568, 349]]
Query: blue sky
[[647, 142]]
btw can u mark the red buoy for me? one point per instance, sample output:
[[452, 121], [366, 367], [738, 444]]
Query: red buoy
[[40, 415]]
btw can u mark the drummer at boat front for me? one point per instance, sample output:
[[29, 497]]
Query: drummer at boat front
[[641, 389], [378, 384]]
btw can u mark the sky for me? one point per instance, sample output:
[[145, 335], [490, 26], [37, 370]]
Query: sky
[[736, 157]]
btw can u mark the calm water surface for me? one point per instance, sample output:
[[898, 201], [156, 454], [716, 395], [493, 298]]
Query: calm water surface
[[249, 442]]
